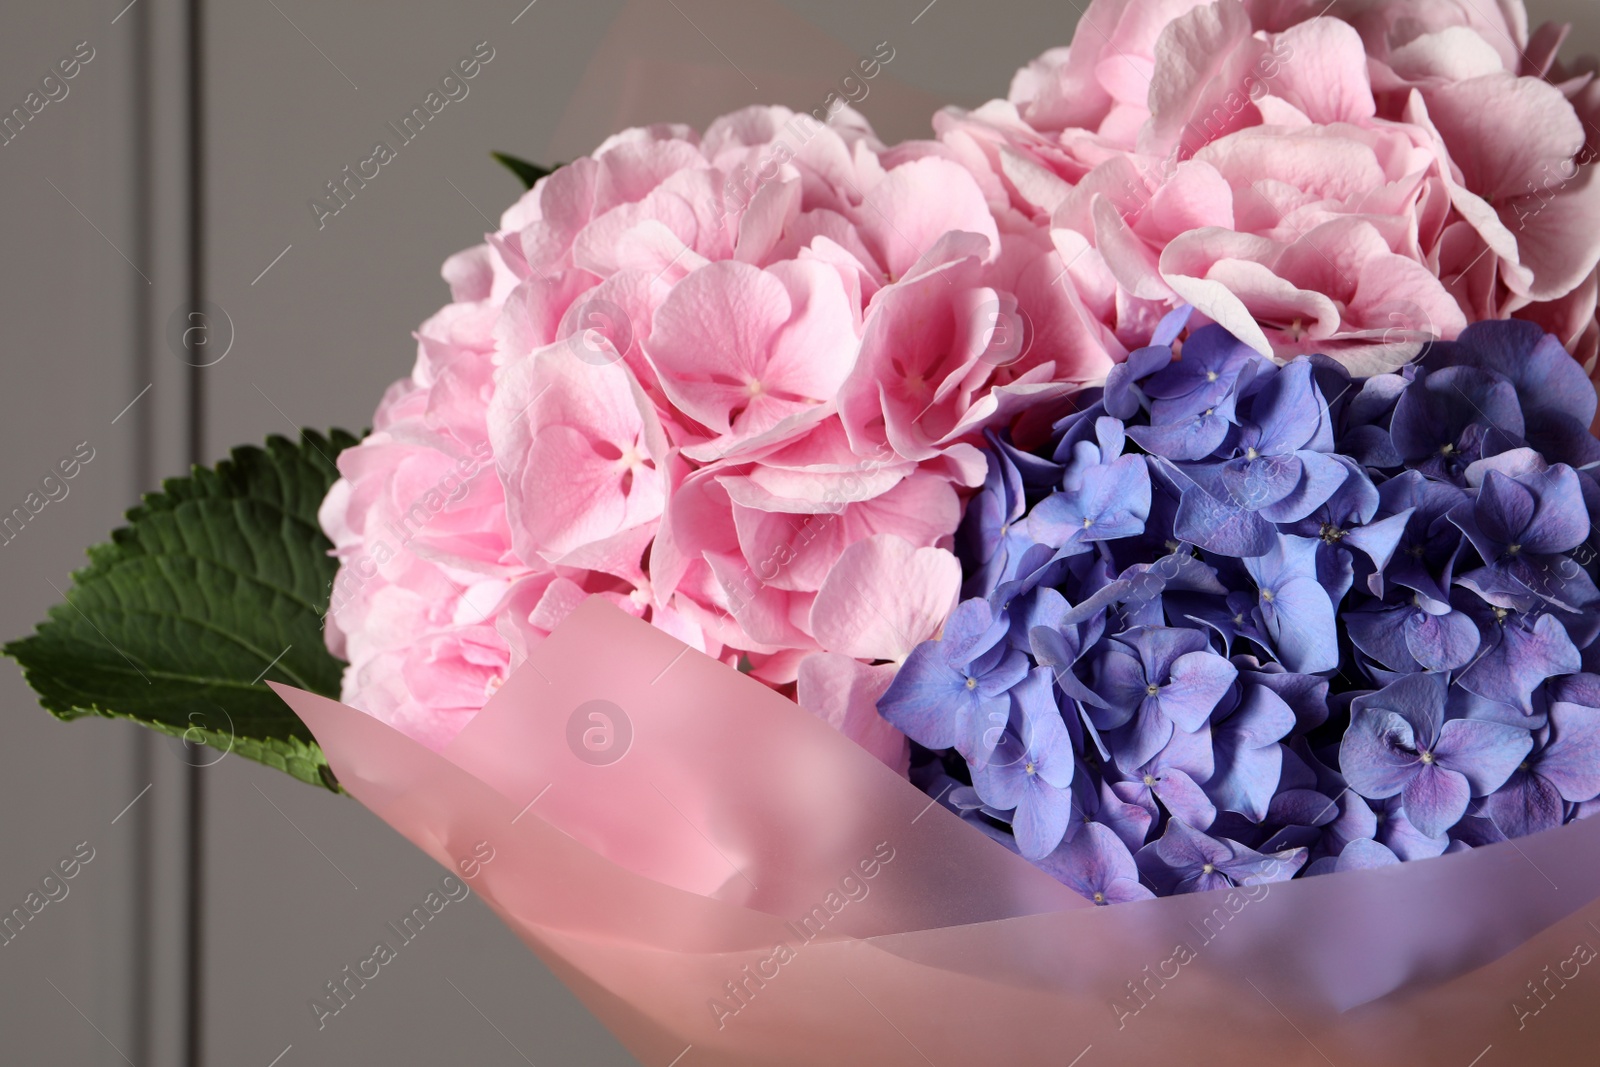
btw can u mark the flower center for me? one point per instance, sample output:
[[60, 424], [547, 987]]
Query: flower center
[[1087, 522], [632, 458], [1512, 550], [1212, 375], [1099, 898], [972, 683], [1331, 533], [1150, 781], [1447, 449], [1028, 767], [1427, 757], [1209, 868], [1266, 594], [1251, 453], [1152, 689]]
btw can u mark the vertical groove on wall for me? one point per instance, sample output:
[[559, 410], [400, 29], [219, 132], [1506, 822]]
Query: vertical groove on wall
[[194, 914], [141, 958], [195, 91]]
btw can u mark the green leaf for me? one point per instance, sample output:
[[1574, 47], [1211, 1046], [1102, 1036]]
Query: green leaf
[[218, 583], [528, 172]]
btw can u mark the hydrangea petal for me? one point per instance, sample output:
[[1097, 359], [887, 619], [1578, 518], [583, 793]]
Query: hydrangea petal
[[1435, 799]]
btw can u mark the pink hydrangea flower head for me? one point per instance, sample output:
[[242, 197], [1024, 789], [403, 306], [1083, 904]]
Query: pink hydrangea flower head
[[1349, 179], [731, 383]]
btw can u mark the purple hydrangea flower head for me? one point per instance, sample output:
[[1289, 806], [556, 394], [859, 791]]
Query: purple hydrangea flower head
[[1236, 620]]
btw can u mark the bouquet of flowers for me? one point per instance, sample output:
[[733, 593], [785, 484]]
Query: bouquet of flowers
[[821, 571]]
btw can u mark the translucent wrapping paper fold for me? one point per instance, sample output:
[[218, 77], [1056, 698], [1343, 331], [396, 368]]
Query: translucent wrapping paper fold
[[723, 879]]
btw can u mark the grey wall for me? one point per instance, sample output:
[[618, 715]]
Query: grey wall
[[299, 882]]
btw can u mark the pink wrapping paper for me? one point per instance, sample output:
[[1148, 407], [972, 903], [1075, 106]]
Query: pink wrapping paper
[[723, 879]]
